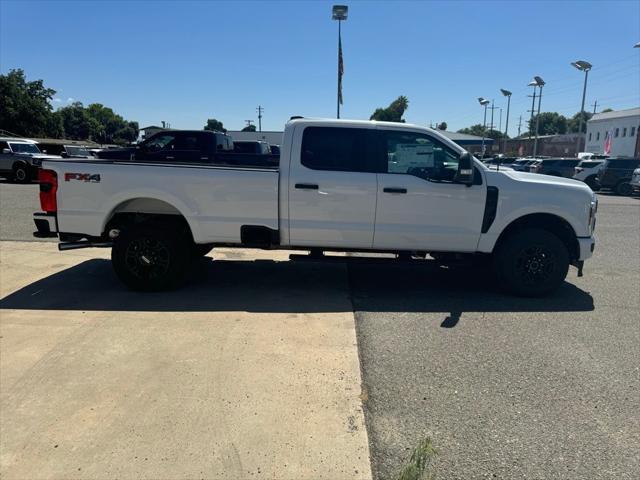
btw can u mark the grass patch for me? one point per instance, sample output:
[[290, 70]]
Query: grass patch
[[421, 465]]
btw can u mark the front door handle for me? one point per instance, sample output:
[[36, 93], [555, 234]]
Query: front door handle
[[394, 190], [306, 186], [170, 158]]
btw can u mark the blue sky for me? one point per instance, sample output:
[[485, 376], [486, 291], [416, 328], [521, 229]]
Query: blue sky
[[184, 62]]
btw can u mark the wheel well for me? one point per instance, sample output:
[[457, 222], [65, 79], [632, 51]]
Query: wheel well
[[546, 221], [149, 211]]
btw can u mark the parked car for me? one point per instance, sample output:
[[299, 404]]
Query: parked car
[[522, 164], [635, 182], [342, 181], [20, 159], [66, 150], [557, 167], [256, 147], [616, 174], [275, 149], [191, 146], [587, 171]]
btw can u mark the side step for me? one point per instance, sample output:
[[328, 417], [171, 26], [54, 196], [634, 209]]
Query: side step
[[319, 256], [83, 244]]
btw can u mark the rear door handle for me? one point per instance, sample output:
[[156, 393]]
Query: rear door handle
[[394, 190], [306, 186]]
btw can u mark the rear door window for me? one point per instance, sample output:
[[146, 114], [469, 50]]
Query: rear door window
[[339, 149]]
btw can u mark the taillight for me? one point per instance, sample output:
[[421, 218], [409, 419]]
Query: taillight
[[48, 190]]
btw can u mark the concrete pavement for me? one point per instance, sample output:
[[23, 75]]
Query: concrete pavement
[[208, 382]]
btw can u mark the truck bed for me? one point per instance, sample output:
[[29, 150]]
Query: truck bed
[[215, 200]]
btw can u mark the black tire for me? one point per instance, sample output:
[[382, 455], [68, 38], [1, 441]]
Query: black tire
[[531, 262], [592, 183], [624, 188], [201, 249], [21, 173], [150, 258]]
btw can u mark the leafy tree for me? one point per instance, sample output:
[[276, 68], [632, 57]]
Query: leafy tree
[[607, 110], [394, 112], [477, 131], [551, 123], [442, 126], [25, 107], [249, 128], [77, 123], [574, 122], [214, 125]]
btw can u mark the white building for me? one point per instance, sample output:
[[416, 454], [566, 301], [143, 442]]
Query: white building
[[272, 138], [623, 126]]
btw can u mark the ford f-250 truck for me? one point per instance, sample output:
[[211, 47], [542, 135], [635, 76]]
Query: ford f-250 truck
[[340, 186]]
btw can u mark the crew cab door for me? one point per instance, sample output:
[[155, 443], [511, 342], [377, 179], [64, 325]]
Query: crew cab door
[[419, 205], [332, 187]]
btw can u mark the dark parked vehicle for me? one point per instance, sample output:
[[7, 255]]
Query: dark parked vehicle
[[190, 146], [557, 167], [506, 161], [616, 174], [251, 146], [522, 164]]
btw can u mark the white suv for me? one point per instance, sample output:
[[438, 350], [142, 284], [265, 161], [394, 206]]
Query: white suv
[[587, 170]]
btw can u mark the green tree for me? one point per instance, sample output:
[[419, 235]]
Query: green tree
[[25, 107], [394, 112], [249, 128], [477, 130], [214, 125], [574, 122], [606, 110], [442, 126], [551, 123], [78, 124]]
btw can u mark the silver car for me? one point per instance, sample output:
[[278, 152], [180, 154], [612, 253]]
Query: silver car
[[20, 159], [635, 182]]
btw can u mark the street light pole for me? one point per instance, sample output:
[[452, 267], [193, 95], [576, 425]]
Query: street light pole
[[539, 82], [484, 102], [584, 67], [339, 13], [507, 94]]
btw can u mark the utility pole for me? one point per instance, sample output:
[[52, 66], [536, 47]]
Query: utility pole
[[595, 105], [519, 124], [492, 108], [500, 121], [259, 110], [533, 110], [249, 122]]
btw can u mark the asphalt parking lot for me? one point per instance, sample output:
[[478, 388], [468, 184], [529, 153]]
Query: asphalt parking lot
[[505, 387]]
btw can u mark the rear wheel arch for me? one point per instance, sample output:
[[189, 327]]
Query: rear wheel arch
[[545, 221], [147, 210]]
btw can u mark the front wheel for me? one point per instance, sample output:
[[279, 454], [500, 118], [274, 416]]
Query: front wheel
[[150, 259], [21, 173], [531, 262]]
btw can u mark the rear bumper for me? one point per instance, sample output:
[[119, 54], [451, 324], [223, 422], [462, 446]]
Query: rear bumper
[[46, 225], [587, 246]]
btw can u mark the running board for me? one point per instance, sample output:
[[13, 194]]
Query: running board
[[84, 244]]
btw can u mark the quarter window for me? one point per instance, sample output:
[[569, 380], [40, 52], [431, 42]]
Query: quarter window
[[420, 155], [339, 149]]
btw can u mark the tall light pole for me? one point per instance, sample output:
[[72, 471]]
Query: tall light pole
[[539, 82], [583, 66], [533, 106], [339, 13], [507, 94], [484, 102]]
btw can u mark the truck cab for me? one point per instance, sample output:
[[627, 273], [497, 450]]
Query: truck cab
[[20, 159]]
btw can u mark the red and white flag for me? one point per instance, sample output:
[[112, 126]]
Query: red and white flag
[[607, 143]]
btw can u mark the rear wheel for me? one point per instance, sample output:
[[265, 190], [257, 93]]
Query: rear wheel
[[624, 188], [151, 258], [531, 262], [21, 173]]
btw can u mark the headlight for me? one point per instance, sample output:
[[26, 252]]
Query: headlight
[[592, 214]]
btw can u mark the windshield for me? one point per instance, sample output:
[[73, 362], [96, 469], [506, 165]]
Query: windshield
[[23, 147], [77, 151]]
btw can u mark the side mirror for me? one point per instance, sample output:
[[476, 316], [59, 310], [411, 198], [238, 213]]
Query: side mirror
[[465, 169], [6, 150], [64, 154]]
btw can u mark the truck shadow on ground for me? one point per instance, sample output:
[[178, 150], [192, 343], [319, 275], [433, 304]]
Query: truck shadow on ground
[[293, 287]]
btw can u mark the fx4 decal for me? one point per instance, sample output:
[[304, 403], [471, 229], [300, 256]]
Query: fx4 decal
[[82, 177]]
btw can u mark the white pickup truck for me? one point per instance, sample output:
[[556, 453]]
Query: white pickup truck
[[340, 186]]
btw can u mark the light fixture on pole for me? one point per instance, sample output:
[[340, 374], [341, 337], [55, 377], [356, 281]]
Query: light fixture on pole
[[339, 13], [483, 102], [507, 94], [539, 82], [637, 45], [583, 66]]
